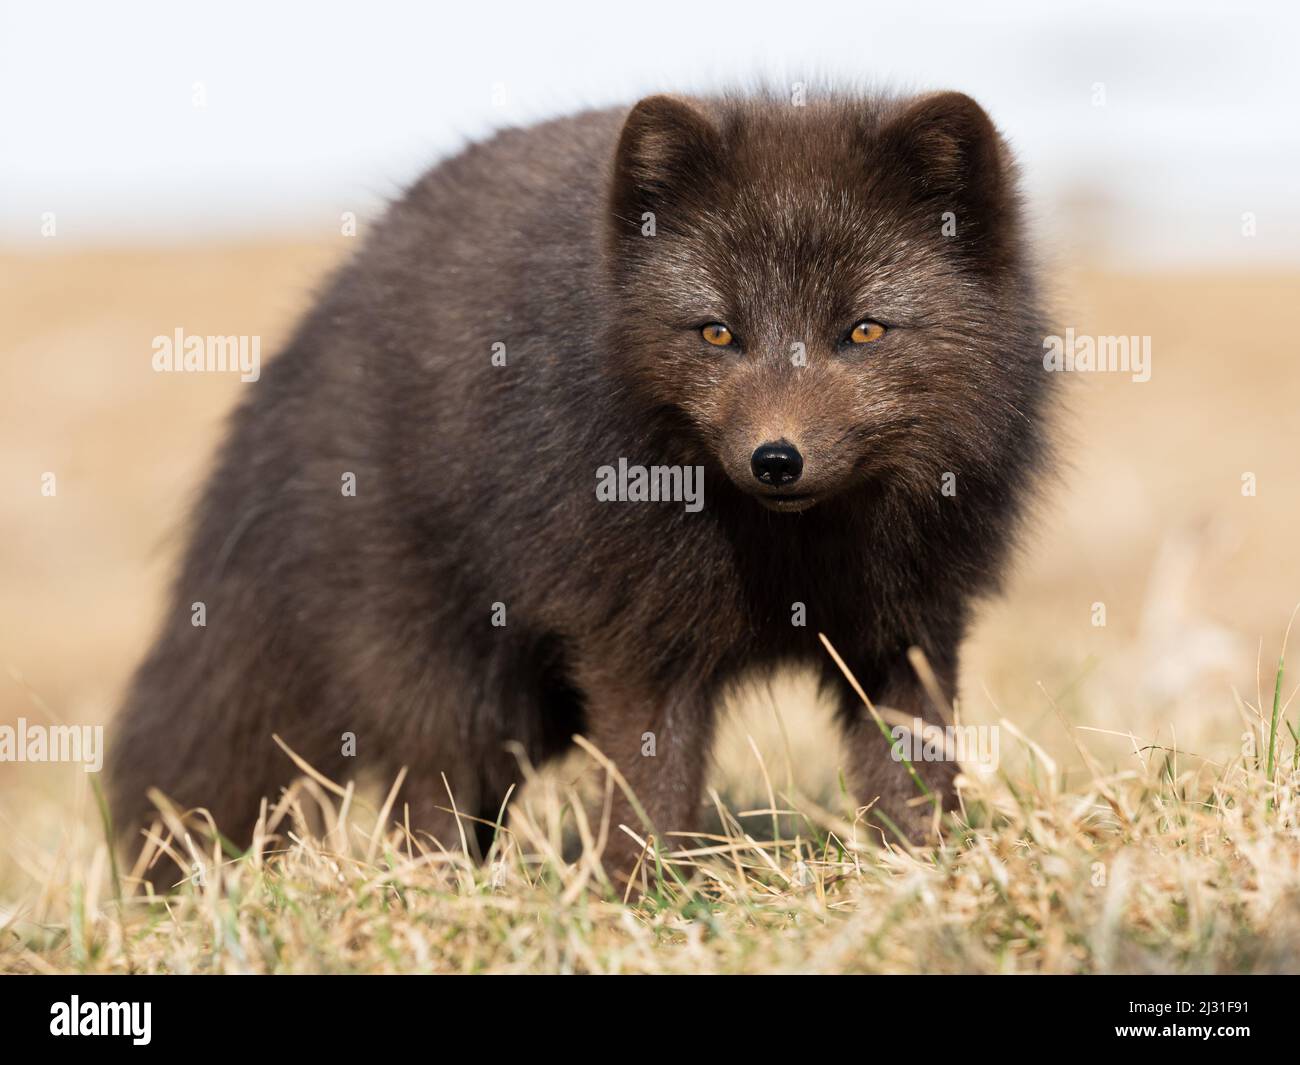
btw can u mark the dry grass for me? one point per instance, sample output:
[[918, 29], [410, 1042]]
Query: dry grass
[[1166, 866]]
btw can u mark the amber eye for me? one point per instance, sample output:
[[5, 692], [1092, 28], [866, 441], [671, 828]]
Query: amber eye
[[866, 331], [716, 334]]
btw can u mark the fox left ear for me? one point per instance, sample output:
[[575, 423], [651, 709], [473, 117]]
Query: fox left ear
[[666, 153], [953, 159]]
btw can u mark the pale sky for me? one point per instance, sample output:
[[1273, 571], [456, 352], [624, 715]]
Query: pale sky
[[311, 109]]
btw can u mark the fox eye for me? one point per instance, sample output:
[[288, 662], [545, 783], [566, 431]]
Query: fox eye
[[866, 332], [717, 334]]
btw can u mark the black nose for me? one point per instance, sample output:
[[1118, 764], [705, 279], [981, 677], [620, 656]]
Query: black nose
[[777, 464]]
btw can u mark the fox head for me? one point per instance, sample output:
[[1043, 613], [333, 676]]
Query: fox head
[[831, 294]]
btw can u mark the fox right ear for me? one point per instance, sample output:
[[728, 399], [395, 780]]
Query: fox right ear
[[951, 157], [666, 151]]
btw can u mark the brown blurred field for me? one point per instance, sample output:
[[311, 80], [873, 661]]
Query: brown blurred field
[[1148, 516]]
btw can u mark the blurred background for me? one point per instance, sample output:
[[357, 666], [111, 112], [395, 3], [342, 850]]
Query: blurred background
[[202, 166]]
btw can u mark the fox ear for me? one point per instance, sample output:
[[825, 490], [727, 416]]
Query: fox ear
[[667, 151], [953, 159]]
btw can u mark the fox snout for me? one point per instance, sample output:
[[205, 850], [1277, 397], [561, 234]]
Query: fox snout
[[776, 465], [782, 435]]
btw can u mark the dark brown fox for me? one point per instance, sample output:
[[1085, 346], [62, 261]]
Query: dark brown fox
[[824, 318]]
